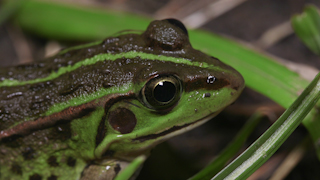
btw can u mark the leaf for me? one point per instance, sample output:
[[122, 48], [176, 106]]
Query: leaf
[[307, 27]]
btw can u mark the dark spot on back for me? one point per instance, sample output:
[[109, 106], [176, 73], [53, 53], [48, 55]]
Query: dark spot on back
[[35, 177], [122, 120], [28, 153], [71, 161], [52, 177], [16, 169], [52, 161], [61, 132], [117, 168]]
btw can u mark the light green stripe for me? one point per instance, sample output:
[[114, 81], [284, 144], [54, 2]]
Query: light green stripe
[[58, 107], [103, 57]]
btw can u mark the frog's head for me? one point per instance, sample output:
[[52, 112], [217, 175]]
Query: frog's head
[[174, 89]]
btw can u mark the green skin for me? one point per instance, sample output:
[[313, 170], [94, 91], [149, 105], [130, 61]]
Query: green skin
[[88, 111]]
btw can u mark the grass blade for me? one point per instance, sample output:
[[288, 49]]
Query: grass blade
[[75, 23], [230, 151], [129, 171], [307, 27]]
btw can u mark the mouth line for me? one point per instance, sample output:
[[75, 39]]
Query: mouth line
[[173, 129]]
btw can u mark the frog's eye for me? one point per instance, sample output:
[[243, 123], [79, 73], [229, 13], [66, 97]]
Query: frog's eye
[[161, 92], [178, 24]]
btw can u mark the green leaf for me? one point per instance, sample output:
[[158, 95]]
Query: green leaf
[[75, 23], [307, 27], [131, 168]]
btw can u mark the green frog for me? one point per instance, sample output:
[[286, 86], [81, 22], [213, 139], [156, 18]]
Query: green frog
[[88, 111]]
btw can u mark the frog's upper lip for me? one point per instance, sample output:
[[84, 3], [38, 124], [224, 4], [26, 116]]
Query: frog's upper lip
[[176, 129]]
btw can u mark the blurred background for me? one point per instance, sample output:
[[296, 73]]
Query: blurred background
[[260, 24]]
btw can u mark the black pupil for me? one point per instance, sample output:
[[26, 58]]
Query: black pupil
[[164, 91]]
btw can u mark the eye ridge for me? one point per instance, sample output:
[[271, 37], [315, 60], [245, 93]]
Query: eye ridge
[[178, 24], [162, 92]]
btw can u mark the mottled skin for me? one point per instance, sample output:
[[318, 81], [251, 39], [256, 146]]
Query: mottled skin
[[85, 119]]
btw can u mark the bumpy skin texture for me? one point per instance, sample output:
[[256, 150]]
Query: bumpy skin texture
[[56, 115]]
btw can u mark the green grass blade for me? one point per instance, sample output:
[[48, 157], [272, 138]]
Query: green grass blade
[[75, 23], [307, 27], [262, 149], [230, 151], [131, 168]]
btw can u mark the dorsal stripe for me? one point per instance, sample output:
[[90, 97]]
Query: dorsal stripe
[[104, 57]]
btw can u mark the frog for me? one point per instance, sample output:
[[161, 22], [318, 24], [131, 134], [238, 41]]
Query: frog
[[90, 110]]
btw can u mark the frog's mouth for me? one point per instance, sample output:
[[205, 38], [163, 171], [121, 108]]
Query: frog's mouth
[[176, 130]]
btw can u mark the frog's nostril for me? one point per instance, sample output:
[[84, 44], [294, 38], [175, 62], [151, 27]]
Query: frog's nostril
[[211, 79], [206, 94]]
